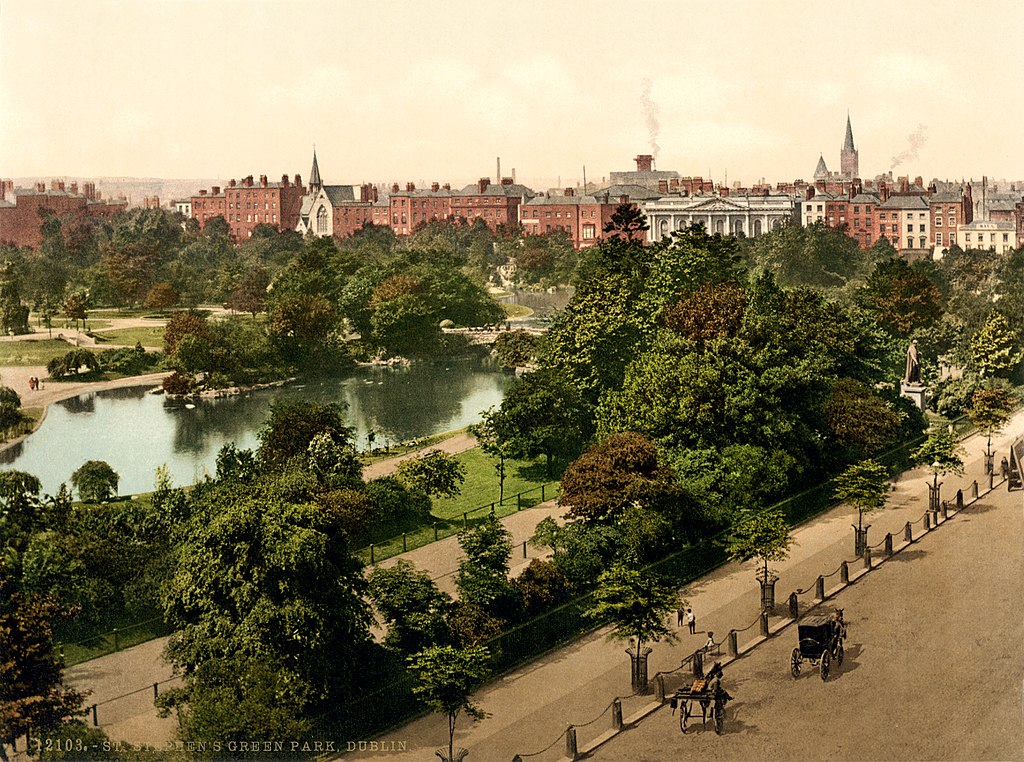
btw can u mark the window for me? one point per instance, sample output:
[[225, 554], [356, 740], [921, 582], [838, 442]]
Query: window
[[938, 238], [588, 232], [967, 237], [938, 221], [910, 228], [321, 220], [921, 230], [1006, 237], [881, 229], [895, 229]]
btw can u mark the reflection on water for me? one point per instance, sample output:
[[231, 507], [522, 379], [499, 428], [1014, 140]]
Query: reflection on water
[[135, 432]]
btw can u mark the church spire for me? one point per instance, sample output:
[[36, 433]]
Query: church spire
[[848, 143], [315, 183]]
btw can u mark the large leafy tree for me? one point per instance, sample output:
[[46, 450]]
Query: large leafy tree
[[33, 697], [258, 577], [95, 481], [435, 474], [409, 602], [542, 414], [996, 348], [990, 410], [482, 578], [292, 426], [900, 298]]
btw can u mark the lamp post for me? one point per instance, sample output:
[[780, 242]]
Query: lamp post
[[933, 488]]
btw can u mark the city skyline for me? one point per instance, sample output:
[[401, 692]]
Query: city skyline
[[437, 91]]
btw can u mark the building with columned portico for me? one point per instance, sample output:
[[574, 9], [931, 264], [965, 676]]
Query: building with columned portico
[[749, 216]]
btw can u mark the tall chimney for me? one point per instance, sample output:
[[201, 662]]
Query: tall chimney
[[498, 173], [644, 162], [482, 184]]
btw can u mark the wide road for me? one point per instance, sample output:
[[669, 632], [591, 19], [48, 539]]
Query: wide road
[[934, 665]]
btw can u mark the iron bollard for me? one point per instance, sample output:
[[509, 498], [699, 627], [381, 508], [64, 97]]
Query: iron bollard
[[465, 520], [974, 487], [819, 588], [698, 664], [927, 520], [524, 548], [371, 552], [764, 623], [542, 493], [571, 750], [435, 531], [888, 543], [867, 558], [519, 501], [959, 500], [492, 509], [117, 640], [908, 532], [156, 691], [991, 480], [405, 543], [95, 722], [617, 711], [659, 687], [844, 573], [945, 510], [734, 648], [794, 606]]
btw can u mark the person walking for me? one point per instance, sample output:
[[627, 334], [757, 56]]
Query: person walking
[[691, 621]]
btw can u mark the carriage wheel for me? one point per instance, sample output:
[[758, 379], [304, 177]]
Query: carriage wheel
[[826, 660], [684, 714], [794, 665], [839, 656], [719, 711]]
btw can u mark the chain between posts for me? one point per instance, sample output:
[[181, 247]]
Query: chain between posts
[[546, 748]]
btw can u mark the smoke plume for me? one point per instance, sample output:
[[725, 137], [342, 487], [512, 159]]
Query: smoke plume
[[651, 117], [916, 140]]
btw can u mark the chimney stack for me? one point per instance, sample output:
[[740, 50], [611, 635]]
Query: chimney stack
[[569, 192], [410, 187], [216, 190], [394, 187], [231, 183], [435, 187], [447, 186], [482, 184], [263, 181], [284, 181], [298, 181], [644, 162]]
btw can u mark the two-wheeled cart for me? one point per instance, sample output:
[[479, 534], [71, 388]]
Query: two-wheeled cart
[[705, 693]]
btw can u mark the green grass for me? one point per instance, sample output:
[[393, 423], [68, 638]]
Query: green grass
[[30, 417], [121, 635], [32, 352], [402, 449], [523, 489], [516, 310], [148, 336]]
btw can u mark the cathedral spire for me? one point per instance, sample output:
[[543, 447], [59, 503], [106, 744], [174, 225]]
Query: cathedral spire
[[848, 143], [315, 183]]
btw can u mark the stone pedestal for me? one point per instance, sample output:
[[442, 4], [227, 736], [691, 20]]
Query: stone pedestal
[[915, 392]]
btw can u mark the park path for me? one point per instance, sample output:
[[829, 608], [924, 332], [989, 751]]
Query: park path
[[532, 705], [452, 445]]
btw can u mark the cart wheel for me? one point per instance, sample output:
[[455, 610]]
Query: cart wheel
[[719, 711], [826, 661], [794, 665], [684, 714], [839, 656]]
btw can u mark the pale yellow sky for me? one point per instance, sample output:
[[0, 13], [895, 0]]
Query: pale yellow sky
[[397, 91]]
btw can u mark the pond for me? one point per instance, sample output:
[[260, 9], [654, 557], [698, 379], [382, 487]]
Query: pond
[[136, 432]]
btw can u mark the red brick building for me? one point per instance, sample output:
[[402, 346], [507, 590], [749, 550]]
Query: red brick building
[[494, 204], [581, 217], [23, 210], [415, 206], [948, 209], [246, 204]]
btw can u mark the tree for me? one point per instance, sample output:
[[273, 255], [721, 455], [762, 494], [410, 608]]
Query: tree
[[76, 305], [628, 222], [544, 415], [763, 535], [13, 314], [995, 349], [182, 324], [637, 604], [941, 453], [859, 419], [447, 678], [292, 427], [10, 404], [517, 349], [33, 697], [435, 474], [865, 486], [250, 293], [95, 481], [900, 298], [620, 471], [161, 296], [414, 610], [990, 410], [21, 511], [131, 267], [482, 578], [493, 436]]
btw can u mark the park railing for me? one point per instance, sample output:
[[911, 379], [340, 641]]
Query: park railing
[[82, 649], [440, 528]]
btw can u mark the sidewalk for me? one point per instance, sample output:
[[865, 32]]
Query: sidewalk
[[531, 706]]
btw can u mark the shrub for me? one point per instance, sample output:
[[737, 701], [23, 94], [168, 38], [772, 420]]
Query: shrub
[[177, 383]]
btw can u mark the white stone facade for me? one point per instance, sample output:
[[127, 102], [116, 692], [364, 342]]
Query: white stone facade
[[732, 215]]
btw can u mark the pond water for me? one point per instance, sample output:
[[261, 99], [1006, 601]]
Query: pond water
[[136, 432]]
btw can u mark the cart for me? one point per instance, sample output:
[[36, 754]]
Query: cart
[[821, 643], [708, 694]]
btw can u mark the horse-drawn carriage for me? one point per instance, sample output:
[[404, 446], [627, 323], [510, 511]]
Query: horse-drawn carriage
[[707, 693], [821, 643]]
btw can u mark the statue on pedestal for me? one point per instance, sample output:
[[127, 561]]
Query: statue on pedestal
[[911, 386]]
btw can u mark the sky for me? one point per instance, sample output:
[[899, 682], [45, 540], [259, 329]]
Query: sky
[[421, 91]]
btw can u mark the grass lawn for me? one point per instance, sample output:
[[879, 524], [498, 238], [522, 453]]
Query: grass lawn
[[121, 635], [32, 352], [523, 489], [516, 310], [148, 336], [31, 416]]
